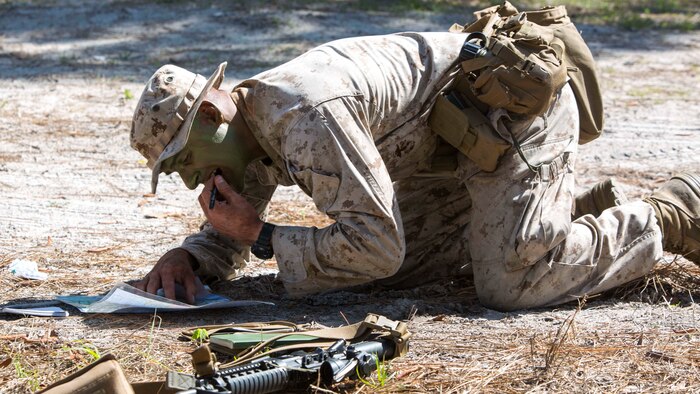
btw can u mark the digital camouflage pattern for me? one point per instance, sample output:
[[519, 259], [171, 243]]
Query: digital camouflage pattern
[[526, 251], [347, 122], [165, 111]]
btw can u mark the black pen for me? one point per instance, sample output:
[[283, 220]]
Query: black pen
[[212, 196]]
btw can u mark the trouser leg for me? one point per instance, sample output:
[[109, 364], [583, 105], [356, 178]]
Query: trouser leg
[[525, 250], [435, 214], [601, 196]]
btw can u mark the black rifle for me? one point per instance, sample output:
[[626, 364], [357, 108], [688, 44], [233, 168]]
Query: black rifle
[[291, 372]]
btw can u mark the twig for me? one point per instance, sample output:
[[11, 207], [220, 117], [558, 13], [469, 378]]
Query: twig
[[344, 318], [322, 390], [561, 336]]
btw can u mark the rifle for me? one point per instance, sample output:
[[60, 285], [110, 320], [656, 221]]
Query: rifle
[[291, 372]]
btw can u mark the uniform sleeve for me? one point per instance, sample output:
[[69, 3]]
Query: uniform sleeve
[[218, 256], [332, 156]]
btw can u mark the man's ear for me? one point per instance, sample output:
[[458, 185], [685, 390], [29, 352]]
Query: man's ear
[[210, 113], [221, 100]]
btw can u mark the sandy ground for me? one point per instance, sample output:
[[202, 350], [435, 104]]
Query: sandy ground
[[74, 198]]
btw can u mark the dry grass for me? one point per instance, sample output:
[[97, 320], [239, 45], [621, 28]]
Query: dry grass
[[571, 358], [451, 353], [73, 201], [568, 360], [673, 283], [457, 347]]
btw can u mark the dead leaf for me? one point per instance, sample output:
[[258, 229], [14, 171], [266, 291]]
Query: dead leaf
[[5, 362]]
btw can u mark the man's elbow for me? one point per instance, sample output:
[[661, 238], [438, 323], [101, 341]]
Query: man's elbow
[[370, 253]]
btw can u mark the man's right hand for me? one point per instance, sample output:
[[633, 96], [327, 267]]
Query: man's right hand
[[175, 266]]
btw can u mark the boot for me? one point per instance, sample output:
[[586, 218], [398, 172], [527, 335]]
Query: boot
[[601, 196], [677, 207]]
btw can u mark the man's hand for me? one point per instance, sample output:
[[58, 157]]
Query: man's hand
[[234, 217], [173, 267]]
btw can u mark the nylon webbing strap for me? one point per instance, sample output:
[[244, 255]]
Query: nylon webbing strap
[[477, 63], [273, 326], [509, 54], [397, 331]]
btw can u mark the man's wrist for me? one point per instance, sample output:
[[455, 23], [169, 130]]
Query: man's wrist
[[193, 262], [262, 247], [257, 229]]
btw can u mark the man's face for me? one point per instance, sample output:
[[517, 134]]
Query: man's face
[[204, 152]]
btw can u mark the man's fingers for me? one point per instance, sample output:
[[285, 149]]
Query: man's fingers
[[153, 284], [169, 287], [223, 187], [141, 285]]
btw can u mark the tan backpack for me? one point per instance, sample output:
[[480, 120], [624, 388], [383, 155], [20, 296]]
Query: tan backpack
[[517, 61]]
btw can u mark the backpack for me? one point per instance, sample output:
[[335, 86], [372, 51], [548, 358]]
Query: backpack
[[517, 61]]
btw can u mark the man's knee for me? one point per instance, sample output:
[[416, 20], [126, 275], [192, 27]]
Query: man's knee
[[507, 290]]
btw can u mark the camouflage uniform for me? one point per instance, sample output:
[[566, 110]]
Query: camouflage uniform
[[346, 122]]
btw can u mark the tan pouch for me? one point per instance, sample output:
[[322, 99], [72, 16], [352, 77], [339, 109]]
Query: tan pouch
[[522, 70], [469, 131], [104, 376], [527, 58]]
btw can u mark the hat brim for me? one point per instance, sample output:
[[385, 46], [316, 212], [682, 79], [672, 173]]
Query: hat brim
[[183, 134]]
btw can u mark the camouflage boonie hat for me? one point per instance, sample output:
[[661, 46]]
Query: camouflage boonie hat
[[166, 109]]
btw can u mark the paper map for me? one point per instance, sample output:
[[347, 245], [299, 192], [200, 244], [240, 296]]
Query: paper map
[[35, 309], [124, 298]]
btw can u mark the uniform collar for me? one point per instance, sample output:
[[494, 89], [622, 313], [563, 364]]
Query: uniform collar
[[242, 97]]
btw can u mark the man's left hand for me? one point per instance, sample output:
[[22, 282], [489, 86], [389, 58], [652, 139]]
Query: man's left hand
[[234, 217]]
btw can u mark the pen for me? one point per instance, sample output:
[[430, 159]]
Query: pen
[[212, 197]]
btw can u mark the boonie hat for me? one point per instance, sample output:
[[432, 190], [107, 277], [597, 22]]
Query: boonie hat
[[163, 117]]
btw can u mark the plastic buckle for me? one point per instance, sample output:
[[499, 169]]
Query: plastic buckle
[[179, 381]]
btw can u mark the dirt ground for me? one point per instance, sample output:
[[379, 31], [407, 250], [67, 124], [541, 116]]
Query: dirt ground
[[74, 199]]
